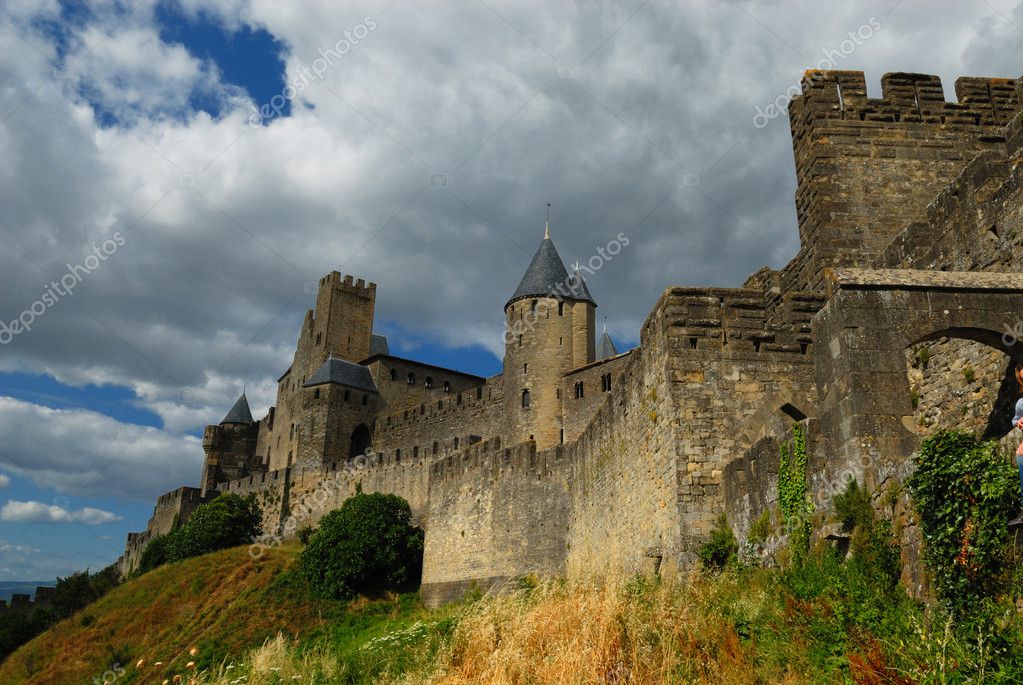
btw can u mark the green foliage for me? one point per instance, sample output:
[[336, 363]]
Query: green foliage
[[969, 374], [70, 594], [154, 554], [964, 492], [760, 529], [304, 533], [793, 491], [873, 546], [923, 357], [367, 546], [227, 521], [721, 549]]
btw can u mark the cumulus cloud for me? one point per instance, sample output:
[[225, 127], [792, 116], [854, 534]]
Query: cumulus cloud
[[37, 512], [84, 453], [421, 160], [5, 480]]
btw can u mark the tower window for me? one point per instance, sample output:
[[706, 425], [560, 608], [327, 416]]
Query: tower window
[[557, 393], [429, 381], [456, 443], [447, 386], [525, 399], [347, 395], [435, 446], [415, 452], [605, 382], [316, 394], [561, 308], [394, 374], [532, 307], [561, 341], [562, 436], [579, 390], [525, 368], [520, 340], [319, 336], [411, 378]]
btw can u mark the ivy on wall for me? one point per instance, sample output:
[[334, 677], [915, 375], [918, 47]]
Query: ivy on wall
[[965, 491], [793, 491]]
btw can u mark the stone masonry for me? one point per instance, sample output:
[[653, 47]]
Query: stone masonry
[[899, 314]]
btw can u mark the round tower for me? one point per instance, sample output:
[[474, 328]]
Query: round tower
[[549, 329]]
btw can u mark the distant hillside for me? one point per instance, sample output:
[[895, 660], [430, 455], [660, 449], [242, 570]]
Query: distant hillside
[[221, 603]]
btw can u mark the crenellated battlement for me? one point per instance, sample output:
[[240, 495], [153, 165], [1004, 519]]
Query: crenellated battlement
[[905, 98]]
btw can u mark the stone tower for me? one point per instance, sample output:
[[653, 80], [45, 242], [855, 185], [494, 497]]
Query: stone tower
[[867, 167], [549, 329], [230, 448], [341, 327]]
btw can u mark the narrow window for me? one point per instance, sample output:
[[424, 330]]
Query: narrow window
[[525, 399], [429, 381], [562, 438], [394, 374], [532, 307], [411, 378], [316, 394], [525, 368], [347, 395], [561, 308], [447, 386], [557, 393], [415, 452], [456, 443], [435, 447], [520, 341], [692, 343], [318, 337]]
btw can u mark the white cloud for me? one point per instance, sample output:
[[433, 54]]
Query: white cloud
[[5, 480], [37, 512], [225, 223], [7, 548], [84, 453]]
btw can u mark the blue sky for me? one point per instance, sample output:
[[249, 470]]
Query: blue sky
[[413, 145]]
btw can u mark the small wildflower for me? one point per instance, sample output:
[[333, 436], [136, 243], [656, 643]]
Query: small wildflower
[[193, 651], [190, 664], [140, 663]]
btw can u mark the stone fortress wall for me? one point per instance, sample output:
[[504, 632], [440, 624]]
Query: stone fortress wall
[[909, 211]]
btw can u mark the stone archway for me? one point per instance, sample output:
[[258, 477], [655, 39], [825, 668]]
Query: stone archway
[[861, 335], [362, 441]]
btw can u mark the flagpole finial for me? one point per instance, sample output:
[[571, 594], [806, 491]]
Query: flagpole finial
[[547, 225]]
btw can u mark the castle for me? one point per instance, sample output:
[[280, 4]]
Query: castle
[[899, 313]]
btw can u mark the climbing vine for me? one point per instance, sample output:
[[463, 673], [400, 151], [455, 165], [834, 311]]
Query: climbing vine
[[793, 491], [964, 492]]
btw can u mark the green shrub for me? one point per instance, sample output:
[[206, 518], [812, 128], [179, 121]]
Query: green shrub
[[760, 529], [964, 492], [154, 554], [721, 549], [367, 546], [227, 521], [872, 544]]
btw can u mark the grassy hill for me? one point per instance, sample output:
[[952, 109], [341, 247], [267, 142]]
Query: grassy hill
[[224, 619], [217, 605]]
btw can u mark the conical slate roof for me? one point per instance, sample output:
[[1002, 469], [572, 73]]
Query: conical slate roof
[[240, 412], [548, 277], [342, 372], [606, 347]]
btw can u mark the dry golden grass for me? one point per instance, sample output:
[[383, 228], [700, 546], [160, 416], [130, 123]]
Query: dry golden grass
[[611, 632]]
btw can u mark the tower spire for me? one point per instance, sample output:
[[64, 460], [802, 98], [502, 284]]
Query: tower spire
[[547, 226]]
